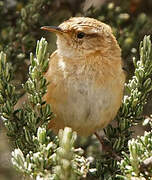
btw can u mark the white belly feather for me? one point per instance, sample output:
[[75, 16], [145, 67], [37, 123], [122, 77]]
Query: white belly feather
[[81, 101], [89, 107]]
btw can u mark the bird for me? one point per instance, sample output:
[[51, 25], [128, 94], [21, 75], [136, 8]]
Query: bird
[[85, 75]]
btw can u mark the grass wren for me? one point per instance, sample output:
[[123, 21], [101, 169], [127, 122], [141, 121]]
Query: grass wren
[[85, 76]]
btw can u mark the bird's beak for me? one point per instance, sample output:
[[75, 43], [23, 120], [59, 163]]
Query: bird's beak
[[54, 29]]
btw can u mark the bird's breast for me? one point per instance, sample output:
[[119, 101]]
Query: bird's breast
[[82, 96]]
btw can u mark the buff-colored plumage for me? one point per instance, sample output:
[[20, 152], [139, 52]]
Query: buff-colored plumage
[[85, 76]]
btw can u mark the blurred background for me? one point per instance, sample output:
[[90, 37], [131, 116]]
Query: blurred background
[[20, 22]]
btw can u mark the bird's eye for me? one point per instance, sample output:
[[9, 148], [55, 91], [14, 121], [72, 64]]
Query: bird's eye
[[80, 35]]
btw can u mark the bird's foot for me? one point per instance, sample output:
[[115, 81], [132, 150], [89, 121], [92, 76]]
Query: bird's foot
[[106, 148]]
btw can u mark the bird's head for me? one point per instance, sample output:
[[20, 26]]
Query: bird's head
[[81, 36]]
